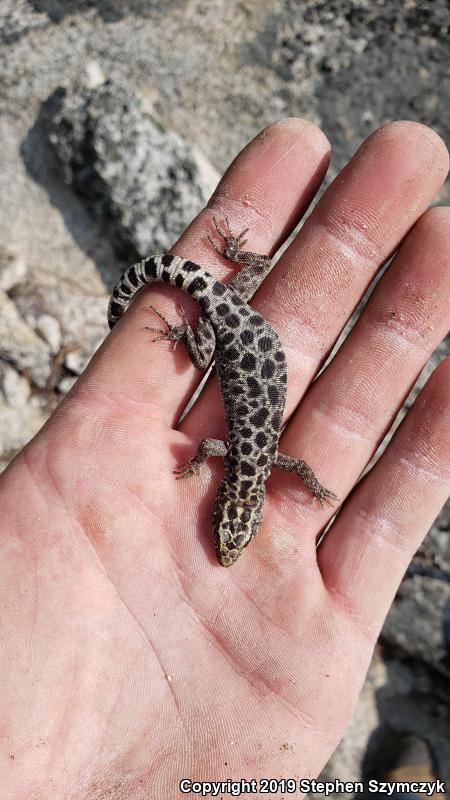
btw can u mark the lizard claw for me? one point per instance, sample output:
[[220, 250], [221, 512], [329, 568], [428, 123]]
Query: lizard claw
[[325, 496], [185, 470]]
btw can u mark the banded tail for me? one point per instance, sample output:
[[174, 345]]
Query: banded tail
[[184, 274]]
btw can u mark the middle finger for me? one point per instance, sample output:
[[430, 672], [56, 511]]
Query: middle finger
[[355, 227]]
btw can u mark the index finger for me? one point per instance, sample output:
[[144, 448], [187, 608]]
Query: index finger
[[267, 187]]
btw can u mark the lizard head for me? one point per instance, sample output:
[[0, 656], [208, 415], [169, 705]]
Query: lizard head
[[235, 522]]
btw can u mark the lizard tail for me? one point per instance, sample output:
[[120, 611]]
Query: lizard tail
[[186, 275]]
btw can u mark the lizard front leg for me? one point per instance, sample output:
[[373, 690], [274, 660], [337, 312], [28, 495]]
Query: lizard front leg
[[207, 448], [305, 473], [255, 267]]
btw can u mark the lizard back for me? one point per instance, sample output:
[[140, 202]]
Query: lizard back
[[252, 372]]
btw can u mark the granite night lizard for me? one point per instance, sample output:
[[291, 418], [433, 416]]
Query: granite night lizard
[[252, 371]]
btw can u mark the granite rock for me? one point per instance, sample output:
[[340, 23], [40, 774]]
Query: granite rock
[[145, 181]]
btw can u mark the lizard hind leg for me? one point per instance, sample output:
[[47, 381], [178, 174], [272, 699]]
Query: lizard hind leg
[[200, 346], [172, 330]]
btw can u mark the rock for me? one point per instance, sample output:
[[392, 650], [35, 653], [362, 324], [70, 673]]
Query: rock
[[18, 19], [18, 423], [65, 384], [12, 270], [76, 361], [15, 388], [50, 330], [433, 557], [418, 622], [20, 346], [93, 75], [142, 179]]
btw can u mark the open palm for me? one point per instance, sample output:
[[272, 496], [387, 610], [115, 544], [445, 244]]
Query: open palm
[[130, 659]]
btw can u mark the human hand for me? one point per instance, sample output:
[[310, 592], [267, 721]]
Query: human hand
[[130, 658]]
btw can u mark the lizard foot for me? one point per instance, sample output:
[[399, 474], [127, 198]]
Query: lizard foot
[[324, 495], [232, 244], [191, 467], [174, 333]]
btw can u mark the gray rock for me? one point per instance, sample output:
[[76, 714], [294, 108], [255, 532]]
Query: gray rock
[[12, 270], [418, 622], [76, 361], [20, 346], [15, 388], [65, 384], [18, 19], [145, 181], [20, 419], [50, 329]]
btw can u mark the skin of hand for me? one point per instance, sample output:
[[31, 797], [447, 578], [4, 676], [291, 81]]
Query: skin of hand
[[130, 659]]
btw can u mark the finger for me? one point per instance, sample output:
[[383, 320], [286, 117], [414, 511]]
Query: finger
[[266, 188], [352, 404], [367, 550], [354, 228]]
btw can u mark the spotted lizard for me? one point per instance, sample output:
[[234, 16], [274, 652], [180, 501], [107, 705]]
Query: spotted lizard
[[252, 372]]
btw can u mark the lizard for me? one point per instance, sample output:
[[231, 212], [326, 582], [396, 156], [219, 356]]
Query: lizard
[[252, 371]]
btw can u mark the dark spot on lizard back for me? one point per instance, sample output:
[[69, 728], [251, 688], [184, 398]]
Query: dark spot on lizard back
[[191, 266], [265, 344], [260, 417], [261, 439], [254, 387], [248, 362], [231, 354], [227, 338], [256, 320], [246, 433], [232, 321], [167, 260], [219, 289], [223, 309], [268, 368], [247, 468], [246, 448], [279, 356], [276, 421], [247, 337], [233, 375], [273, 394]]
